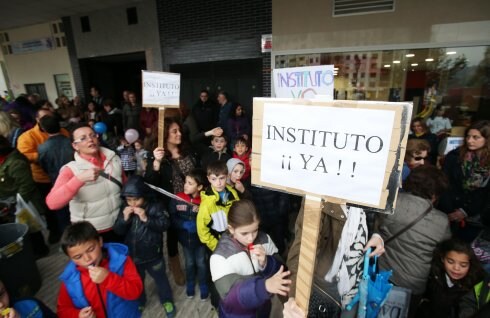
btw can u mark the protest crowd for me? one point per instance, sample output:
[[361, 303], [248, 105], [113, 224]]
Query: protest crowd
[[87, 168]]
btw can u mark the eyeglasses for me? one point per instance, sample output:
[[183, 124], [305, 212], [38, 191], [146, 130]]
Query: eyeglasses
[[419, 158], [86, 138]]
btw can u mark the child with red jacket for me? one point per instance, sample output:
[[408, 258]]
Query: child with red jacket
[[101, 279]]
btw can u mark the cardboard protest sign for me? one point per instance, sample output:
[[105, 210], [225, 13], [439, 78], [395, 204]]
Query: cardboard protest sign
[[340, 149], [303, 82], [160, 89]]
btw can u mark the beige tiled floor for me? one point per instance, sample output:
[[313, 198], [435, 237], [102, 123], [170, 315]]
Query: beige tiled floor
[[52, 266]]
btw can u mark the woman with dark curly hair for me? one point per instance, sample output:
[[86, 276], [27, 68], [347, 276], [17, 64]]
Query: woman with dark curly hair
[[468, 169], [454, 271], [413, 231], [167, 170]]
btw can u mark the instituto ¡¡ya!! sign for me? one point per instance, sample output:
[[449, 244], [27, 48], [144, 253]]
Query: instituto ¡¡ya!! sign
[[341, 151]]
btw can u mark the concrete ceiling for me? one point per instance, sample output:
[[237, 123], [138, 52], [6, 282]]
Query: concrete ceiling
[[18, 13]]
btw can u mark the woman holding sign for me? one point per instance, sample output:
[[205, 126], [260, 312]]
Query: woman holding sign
[[413, 231], [167, 170], [341, 244]]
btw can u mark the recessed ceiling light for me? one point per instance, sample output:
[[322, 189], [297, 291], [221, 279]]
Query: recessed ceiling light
[[396, 62], [387, 65], [410, 55], [451, 53], [414, 64], [429, 60]]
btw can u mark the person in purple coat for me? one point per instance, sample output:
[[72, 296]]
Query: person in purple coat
[[238, 125], [244, 268]]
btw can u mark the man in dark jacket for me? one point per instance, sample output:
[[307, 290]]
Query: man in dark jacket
[[205, 112], [54, 153]]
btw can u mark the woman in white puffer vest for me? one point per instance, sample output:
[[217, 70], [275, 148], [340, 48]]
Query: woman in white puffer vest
[[91, 184]]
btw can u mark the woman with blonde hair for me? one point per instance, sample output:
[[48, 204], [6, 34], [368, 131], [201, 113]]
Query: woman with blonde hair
[[9, 128]]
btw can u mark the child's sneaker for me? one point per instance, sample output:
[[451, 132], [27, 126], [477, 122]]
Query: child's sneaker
[[169, 309], [190, 291], [204, 292]]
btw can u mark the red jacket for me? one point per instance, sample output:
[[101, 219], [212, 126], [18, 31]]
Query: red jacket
[[128, 286], [148, 118]]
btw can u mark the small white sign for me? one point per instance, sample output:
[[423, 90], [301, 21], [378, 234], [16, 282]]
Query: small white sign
[[161, 89], [331, 151], [304, 82], [448, 144]]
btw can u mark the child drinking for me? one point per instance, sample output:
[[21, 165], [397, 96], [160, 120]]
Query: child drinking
[[243, 267], [100, 280], [454, 271], [241, 151], [143, 221], [236, 169], [183, 217]]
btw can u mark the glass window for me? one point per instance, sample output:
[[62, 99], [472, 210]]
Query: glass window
[[456, 77], [85, 22]]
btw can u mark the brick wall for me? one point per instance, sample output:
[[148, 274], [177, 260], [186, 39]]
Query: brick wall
[[214, 30]]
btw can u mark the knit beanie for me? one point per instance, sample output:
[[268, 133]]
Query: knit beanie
[[231, 163]]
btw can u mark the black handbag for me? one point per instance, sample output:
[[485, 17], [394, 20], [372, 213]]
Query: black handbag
[[324, 300]]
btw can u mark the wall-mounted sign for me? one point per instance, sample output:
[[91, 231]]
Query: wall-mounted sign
[[266, 44], [63, 85], [32, 46]]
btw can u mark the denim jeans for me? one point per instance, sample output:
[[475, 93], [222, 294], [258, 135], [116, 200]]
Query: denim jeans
[[156, 269], [195, 261]]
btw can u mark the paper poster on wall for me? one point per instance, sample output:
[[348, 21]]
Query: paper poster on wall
[[160, 89], [303, 82]]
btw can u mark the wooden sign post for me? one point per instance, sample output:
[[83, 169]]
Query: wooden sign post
[[336, 151], [160, 90]]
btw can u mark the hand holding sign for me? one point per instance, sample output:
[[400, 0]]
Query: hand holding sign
[[338, 151]]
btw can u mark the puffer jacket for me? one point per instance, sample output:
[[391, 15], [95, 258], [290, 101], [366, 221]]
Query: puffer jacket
[[181, 212], [97, 201], [144, 239], [410, 254], [212, 216]]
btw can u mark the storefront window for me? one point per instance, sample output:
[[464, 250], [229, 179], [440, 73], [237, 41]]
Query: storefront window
[[457, 78]]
